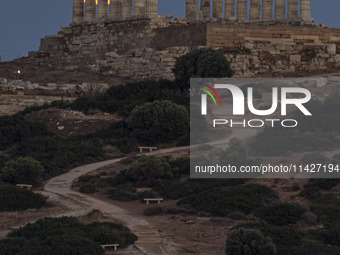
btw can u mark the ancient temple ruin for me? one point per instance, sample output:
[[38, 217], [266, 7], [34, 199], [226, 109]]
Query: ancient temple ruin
[[129, 39], [233, 10], [237, 10], [97, 10]]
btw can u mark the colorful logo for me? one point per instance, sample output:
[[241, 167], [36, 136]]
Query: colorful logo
[[209, 93]]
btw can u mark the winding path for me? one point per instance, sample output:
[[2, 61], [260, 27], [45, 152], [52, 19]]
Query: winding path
[[60, 188], [149, 240]]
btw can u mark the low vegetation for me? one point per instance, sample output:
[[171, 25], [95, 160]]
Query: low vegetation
[[245, 241], [65, 236], [17, 199], [225, 200]]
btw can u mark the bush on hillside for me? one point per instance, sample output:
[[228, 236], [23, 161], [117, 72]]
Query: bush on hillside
[[16, 199], [22, 170], [222, 201], [201, 63], [158, 122], [243, 241], [65, 236], [280, 214]]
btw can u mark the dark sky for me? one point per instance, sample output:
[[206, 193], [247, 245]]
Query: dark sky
[[24, 22]]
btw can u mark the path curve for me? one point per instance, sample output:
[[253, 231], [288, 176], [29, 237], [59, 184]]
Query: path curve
[[60, 187]]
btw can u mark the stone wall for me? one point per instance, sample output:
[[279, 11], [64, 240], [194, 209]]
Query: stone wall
[[146, 47], [254, 49]]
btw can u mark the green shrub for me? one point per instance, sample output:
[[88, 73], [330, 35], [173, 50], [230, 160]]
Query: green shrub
[[244, 241], [124, 98], [153, 211], [158, 122], [22, 170], [87, 189], [122, 194], [280, 214], [65, 236], [313, 188], [148, 171], [281, 235], [16, 130], [222, 201], [57, 154], [201, 63], [17, 199], [327, 208]]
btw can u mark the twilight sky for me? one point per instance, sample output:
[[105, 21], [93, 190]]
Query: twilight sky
[[24, 22]]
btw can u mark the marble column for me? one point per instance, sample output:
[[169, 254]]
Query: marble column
[[305, 10], [103, 9], [115, 9], [78, 11], [280, 9], [242, 11], [127, 8], [151, 7], [255, 10], [190, 6], [267, 10], [230, 9], [139, 7], [293, 9], [217, 10], [90, 10], [205, 8]]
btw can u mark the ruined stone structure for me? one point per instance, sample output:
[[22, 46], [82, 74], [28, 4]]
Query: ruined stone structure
[[144, 45], [292, 13], [118, 9], [128, 8]]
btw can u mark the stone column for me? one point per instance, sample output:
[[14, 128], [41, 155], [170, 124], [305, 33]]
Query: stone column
[[127, 8], [267, 10], [102, 9], [78, 11], [139, 7], [205, 8], [242, 11], [217, 11], [90, 10], [280, 9], [293, 9], [230, 9], [115, 9], [151, 7], [255, 10], [190, 6], [305, 10]]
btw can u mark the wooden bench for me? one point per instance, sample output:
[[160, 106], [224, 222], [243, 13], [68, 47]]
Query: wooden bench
[[24, 186], [148, 200], [114, 246], [150, 149]]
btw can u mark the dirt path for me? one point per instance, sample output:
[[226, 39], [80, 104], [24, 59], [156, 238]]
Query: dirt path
[[59, 188]]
